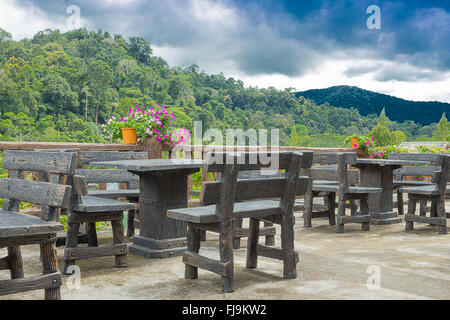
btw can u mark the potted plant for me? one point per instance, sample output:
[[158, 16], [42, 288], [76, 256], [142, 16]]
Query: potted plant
[[361, 142], [156, 123]]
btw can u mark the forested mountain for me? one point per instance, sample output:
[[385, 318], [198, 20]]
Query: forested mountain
[[62, 86], [368, 102]]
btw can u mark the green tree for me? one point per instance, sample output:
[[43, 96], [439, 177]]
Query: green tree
[[382, 135], [442, 132]]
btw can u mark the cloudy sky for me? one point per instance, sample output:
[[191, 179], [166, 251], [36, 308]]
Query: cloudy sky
[[303, 44]]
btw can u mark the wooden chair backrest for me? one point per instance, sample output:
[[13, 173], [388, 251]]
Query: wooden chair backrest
[[230, 189], [40, 161], [92, 156], [43, 193], [325, 167], [426, 170], [46, 166], [108, 175], [441, 177]]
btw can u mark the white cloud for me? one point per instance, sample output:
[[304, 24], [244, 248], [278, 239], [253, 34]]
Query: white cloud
[[333, 73]]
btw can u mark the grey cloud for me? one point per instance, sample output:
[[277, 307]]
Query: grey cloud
[[402, 73], [261, 41]]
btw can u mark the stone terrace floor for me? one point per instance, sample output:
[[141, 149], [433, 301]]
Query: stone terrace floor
[[413, 265]]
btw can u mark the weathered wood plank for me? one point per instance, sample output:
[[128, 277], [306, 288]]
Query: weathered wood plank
[[107, 175], [254, 160], [45, 281], [10, 145], [49, 162], [208, 264], [13, 224], [273, 253], [4, 263], [439, 221], [353, 219], [43, 193], [248, 189], [93, 156], [93, 252]]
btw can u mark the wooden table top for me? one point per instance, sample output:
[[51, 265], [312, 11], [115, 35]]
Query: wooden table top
[[388, 162], [152, 165]]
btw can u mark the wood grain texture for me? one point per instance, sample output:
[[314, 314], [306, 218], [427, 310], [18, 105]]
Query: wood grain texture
[[14, 224], [43, 193], [107, 175], [92, 156], [49, 162]]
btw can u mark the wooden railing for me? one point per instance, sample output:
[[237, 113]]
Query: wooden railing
[[156, 150]]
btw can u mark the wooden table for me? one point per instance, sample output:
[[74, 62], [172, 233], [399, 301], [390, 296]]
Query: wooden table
[[379, 173], [163, 186]]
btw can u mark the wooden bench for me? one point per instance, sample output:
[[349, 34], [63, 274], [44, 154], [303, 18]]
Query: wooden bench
[[125, 179], [435, 193], [342, 187], [17, 229], [224, 201], [324, 172], [413, 171]]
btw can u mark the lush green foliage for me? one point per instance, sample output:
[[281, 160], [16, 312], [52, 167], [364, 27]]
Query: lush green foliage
[[368, 102], [63, 86]]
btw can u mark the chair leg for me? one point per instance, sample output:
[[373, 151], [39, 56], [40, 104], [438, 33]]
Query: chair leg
[[332, 208], [307, 214], [341, 213], [92, 234], [364, 207], [71, 242], [252, 243], [15, 262], [237, 226], [400, 208], [441, 213], [287, 246], [411, 210], [193, 245], [202, 235], [270, 239], [226, 255], [423, 208], [118, 238], [50, 265], [130, 222], [353, 207]]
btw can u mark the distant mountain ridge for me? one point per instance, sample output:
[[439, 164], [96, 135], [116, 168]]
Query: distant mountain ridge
[[368, 102]]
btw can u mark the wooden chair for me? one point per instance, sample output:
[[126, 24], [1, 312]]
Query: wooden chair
[[342, 188], [17, 229], [324, 171], [221, 207], [413, 171], [100, 176], [434, 193], [89, 209]]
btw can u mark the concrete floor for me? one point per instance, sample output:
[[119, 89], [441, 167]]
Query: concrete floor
[[411, 265]]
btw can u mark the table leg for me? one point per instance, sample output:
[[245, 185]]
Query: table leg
[[380, 204], [160, 236]]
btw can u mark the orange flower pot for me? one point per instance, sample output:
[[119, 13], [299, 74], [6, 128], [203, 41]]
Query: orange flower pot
[[354, 142], [129, 135]]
